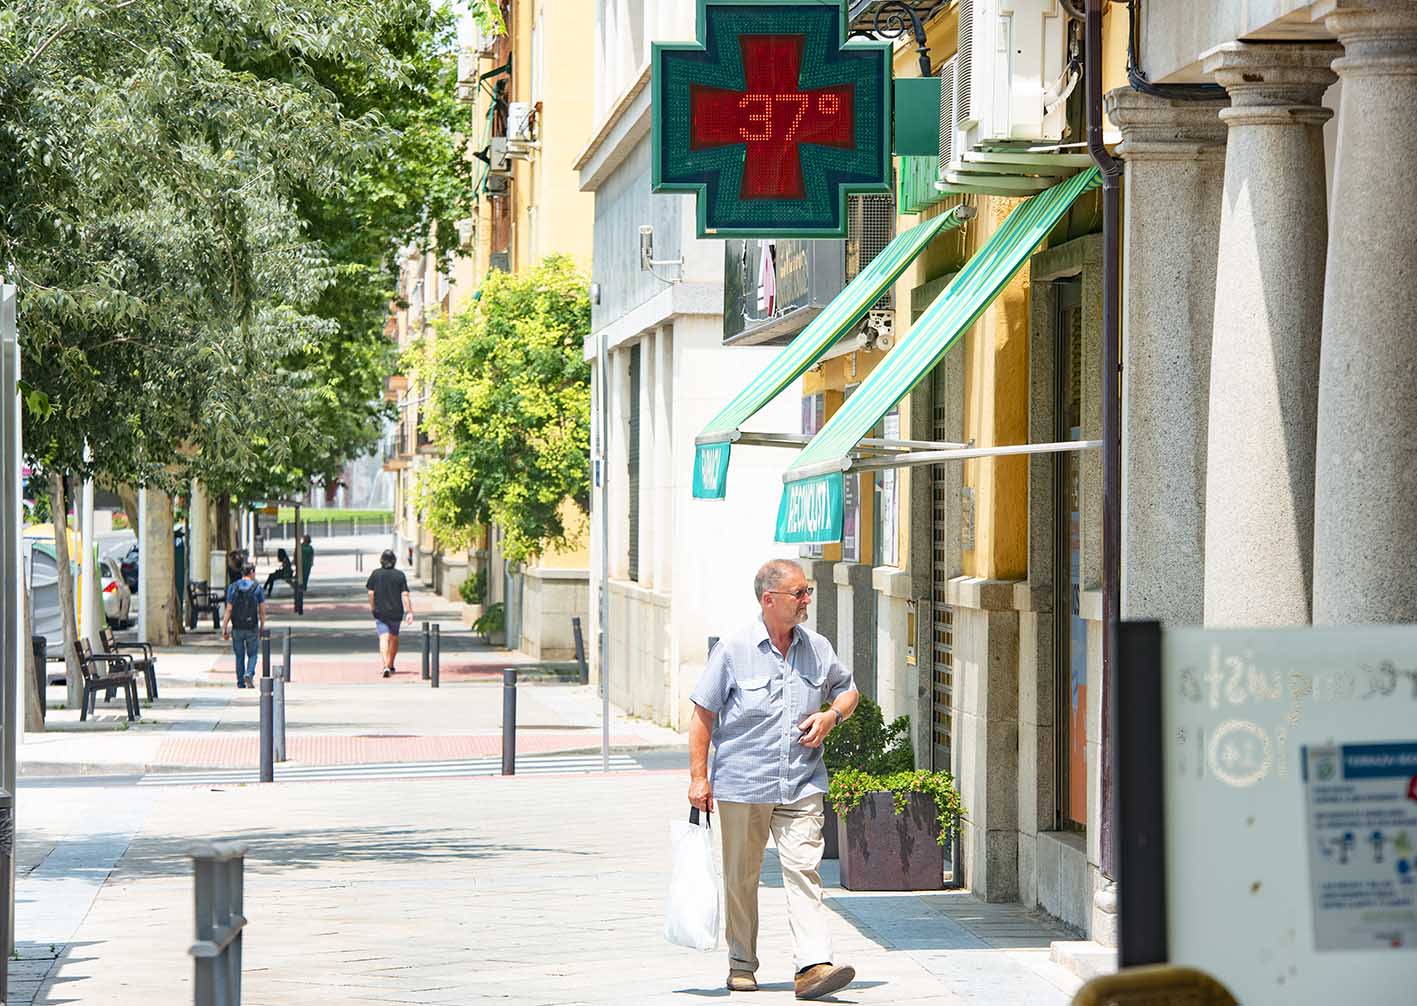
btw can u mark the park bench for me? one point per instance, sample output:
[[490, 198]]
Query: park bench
[[204, 599], [106, 672], [144, 662]]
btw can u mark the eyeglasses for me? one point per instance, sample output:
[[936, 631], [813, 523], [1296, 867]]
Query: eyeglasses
[[800, 595]]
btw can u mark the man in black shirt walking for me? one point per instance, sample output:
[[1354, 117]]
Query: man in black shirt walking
[[390, 604]]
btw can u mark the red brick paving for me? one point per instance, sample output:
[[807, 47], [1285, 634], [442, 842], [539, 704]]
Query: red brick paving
[[361, 670], [325, 749]]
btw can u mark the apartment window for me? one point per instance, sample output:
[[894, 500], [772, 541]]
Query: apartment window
[[634, 462]]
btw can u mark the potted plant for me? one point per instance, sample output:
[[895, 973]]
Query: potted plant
[[893, 828], [865, 742], [473, 592], [492, 625]]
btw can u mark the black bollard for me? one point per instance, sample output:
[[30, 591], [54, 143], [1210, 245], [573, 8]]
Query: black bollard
[[285, 653], [509, 721], [427, 648], [437, 652], [581, 665], [265, 653], [268, 751]]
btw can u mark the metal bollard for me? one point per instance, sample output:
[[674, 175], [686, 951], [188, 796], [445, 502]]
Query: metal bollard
[[285, 654], [509, 721], [219, 874], [427, 648], [580, 651], [265, 653], [437, 652], [268, 762], [278, 715]]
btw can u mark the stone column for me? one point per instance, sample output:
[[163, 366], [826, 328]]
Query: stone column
[[1175, 156], [1365, 509], [664, 457], [1265, 349]]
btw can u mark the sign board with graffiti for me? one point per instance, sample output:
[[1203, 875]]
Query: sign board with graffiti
[[1286, 761], [772, 117]]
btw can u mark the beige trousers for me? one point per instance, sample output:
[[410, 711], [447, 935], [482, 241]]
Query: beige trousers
[[797, 831]]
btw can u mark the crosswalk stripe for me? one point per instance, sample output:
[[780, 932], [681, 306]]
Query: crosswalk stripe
[[544, 765]]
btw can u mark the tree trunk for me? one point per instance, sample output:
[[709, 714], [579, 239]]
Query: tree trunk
[[58, 506], [128, 496], [155, 568], [224, 535], [36, 677]]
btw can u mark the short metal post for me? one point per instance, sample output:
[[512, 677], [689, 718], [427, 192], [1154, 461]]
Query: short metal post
[[580, 650], [278, 743], [427, 648], [268, 763], [265, 653], [285, 654], [509, 721], [219, 875], [437, 652]]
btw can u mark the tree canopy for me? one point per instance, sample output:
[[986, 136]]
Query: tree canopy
[[201, 205], [509, 398]]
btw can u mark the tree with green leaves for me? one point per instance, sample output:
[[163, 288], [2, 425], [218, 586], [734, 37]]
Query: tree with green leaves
[[510, 401]]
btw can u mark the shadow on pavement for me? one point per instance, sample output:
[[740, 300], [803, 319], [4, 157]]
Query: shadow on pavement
[[275, 850]]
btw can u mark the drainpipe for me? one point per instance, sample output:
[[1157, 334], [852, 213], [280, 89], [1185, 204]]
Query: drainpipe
[[1111, 169]]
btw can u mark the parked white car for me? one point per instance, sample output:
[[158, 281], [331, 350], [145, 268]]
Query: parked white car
[[117, 598]]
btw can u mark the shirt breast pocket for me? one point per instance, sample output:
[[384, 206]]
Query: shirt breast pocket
[[755, 697], [808, 690]]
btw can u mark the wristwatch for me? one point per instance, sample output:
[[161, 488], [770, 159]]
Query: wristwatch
[[838, 715]]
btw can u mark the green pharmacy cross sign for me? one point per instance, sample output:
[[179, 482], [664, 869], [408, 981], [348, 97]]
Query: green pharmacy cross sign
[[772, 117]]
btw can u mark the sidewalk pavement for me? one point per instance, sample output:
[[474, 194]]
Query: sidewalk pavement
[[339, 709], [447, 888]]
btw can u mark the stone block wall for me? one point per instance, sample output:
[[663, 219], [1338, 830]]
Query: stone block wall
[[551, 598]]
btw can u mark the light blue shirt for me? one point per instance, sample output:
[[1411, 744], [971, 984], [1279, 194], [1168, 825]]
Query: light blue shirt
[[758, 697]]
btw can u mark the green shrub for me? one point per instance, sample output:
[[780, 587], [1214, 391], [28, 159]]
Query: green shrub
[[493, 621], [865, 743], [473, 590], [849, 786]]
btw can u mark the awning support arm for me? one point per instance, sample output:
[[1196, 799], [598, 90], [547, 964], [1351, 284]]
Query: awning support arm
[[933, 457], [874, 445]]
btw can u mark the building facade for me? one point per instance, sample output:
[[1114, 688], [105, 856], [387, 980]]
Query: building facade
[[526, 126]]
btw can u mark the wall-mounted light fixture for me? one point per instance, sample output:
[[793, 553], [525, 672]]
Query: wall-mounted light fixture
[[648, 263]]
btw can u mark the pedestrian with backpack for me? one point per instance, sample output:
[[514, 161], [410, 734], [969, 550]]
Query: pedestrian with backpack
[[245, 621]]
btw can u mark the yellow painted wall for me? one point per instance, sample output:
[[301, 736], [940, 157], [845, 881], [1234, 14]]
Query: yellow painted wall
[[550, 212]]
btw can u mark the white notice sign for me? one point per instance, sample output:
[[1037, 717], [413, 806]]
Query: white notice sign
[[1362, 818]]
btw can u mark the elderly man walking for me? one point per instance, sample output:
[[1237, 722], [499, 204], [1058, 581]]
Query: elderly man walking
[[759, 701]]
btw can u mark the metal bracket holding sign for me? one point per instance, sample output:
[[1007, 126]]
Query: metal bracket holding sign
[[772, 118], [1266, 808]]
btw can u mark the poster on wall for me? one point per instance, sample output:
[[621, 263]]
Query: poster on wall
[[890, 534], [1362, 829]]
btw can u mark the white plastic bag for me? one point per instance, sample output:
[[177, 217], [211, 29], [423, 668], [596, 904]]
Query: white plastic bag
[[693, 906]]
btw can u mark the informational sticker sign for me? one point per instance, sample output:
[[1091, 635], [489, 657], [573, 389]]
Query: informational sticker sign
[[1362, 827], [772, 117], [1285, 761]]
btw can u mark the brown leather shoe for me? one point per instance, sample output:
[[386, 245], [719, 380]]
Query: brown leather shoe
[[823, 979], [742, 981]]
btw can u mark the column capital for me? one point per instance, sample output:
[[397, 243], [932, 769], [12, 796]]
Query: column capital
[[1158, 128], [1379, 36], [1274, 84]]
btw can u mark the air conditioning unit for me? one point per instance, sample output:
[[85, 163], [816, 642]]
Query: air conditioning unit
[[999, 95], [1006, 61], [519, 121], [498, 160]]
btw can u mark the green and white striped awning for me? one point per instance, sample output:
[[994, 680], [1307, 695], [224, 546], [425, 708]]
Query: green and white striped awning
[[712, 446], [811, 508]]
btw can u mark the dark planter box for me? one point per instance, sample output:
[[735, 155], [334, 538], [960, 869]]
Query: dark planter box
[[829, 842], [884, 851]]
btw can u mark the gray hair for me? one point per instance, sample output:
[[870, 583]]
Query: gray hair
[[771, 574]]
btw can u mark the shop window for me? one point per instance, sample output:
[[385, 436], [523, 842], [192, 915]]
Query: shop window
[[1071, 645]]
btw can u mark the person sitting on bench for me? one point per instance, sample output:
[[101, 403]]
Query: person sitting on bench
[[283, 571]]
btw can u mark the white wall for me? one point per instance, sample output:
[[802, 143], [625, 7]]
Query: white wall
[[719, 544]]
